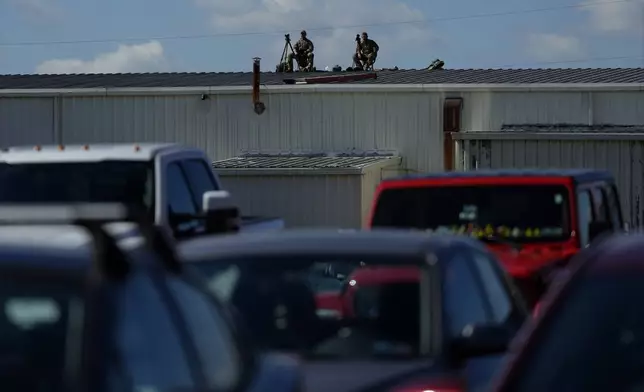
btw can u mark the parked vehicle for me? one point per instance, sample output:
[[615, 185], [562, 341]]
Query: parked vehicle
[[444, 330], [533, 220], [172, 182], [588, 335], [83, 311]]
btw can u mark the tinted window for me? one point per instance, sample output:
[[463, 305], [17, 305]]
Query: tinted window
[[494, 287], [585, 211], [179, 196], [524, 213], [107, 181], [601, 205], [464, 299], [200, 179], [296, 304], [37, 321], [610, 192], [147, 340], [594, 343], [211, 334]]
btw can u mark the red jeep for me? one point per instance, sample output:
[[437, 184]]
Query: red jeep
[[534, 220]]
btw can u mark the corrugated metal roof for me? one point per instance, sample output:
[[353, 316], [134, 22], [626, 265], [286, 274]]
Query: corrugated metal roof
[[299, 162], [414, 76]]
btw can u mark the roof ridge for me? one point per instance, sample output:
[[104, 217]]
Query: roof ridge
[[391, 70], [386, 76]]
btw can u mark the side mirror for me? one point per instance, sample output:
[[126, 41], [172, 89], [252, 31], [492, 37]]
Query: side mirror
[[221, 213], [597, 228], [481, 340]]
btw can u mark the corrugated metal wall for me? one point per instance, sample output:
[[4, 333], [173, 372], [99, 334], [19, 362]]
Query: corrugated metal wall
[[625, 159], [27, 121], [314, 201], [488, 111], [225, 125]]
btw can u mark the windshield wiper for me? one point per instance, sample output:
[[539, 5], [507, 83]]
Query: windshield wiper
[[496, 240]]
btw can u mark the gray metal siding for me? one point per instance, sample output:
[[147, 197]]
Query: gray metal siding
[[625, 159], [311, 201], [225, 125], [319, 197], [27, 121], [486, 111], [370, 181], [619, 108]]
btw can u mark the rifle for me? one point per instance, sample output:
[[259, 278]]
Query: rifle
[[358, 44]]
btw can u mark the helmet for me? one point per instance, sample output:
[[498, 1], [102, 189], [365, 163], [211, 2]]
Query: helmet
[[303, 32]]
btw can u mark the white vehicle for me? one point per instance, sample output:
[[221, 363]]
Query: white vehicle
[[174, 184]]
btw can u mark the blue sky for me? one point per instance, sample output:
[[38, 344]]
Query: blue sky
[[215, 35]]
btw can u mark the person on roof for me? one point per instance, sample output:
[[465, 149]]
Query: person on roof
[[366, 52], [303, 54]]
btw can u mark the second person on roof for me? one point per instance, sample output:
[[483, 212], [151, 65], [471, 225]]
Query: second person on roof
[[303, 54]]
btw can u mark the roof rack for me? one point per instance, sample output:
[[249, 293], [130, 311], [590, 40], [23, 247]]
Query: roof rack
[[108, 256]]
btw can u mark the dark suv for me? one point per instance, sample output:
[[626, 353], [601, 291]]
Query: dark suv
[[119, 315]]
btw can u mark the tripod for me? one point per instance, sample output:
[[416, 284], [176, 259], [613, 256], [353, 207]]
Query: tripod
[[286, 64]]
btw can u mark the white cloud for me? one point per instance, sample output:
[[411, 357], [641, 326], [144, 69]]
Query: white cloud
[[38, 10], [614, 17], [331, 24], [127, 58], [554, 47]]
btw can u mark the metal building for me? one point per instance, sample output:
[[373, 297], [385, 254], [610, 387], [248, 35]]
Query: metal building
[[434, 119], [314, 190]]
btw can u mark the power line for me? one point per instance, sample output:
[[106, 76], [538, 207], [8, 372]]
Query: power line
[[327, 28], [582, 60]]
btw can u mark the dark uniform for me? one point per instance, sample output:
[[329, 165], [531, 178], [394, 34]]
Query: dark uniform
[[303, 54], [366, 53]]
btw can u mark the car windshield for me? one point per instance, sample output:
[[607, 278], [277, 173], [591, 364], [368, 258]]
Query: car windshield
[[522, 213], [325, 308], [37, 322], [595, 342], [101, 182]]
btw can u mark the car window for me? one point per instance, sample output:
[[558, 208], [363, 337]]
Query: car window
[[147, 340], [494, 287], [221, 361], [610, 193], [523, 213], [179, 197], [601, 205], [79, 182], [290, 304], [585, 211], [41, 328], [594, 342], [464, 302], [200, 179]]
